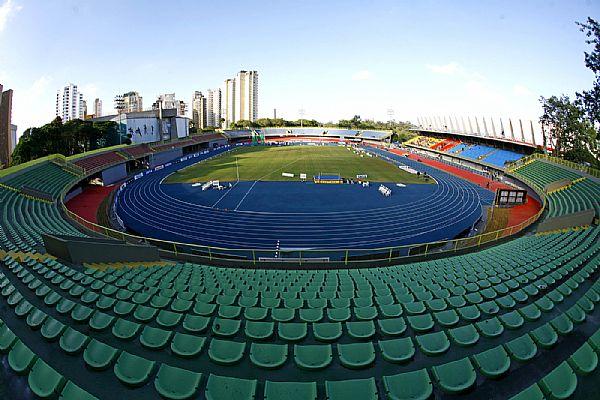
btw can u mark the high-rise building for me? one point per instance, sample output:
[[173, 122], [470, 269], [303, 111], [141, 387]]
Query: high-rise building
[[97, 108], [213, 108], [199, 110], [129, 102], [168, 101], [7, 139], [246, 91], [228, 111], [85, 113], [69, 103]]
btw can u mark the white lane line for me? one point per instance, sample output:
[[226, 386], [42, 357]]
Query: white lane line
[[243, 198], [226, 193]]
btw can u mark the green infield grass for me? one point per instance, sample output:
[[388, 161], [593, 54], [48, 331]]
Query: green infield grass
[[267, 163]]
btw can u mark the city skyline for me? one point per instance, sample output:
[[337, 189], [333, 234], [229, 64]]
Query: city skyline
[[418, 59]]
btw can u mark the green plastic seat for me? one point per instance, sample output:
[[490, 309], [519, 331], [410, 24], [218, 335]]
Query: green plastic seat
[[226, 352], [533, 392], [123, 308], [205, 309], [446, 318], [338, 314], [195, 323], [364, 389], [7, 339], [23, 308], [44, 381], [133, 370], [255, 313], [168, 319], [311, 314], [415, 385], [521, 349], [226, 388], [584, 360], [530, 312], [397, 350], [73, 392], [100, 321], [227, 311], [560, 383], [492, 363], [594, 341], [544, 336], [421, 323], [433, 344], [155, 338], [327, 331], [576, 314], [469, 313], [313, 357], [392, 326], [356, 355], [21, 358], [290, 390], [268, 356], [283, 314], [258, 330], [562, 325], [490, 327], [99, 356], [361, 329], [465, 335], [187, 346], [391, 310], [292, 331], [144, 313], [176, 383], [73, 341], [181, 306], [52, 329], [456, 376], [125, 330], [512, 320], [365, 313], [226, 327]]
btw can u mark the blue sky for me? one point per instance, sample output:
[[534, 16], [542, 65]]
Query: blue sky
[[333, 59]]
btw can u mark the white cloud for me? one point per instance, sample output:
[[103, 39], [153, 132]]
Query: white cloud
[[521, 91], [364, 75], [452, 68], [7, 10]]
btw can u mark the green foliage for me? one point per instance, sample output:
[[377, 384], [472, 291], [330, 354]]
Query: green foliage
[[573, 125], [72, 137]]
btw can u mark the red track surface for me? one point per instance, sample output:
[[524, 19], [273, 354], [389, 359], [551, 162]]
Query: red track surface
[[86, 204], [517, 214]]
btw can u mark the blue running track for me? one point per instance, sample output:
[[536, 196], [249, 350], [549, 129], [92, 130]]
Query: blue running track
[[296, 215]]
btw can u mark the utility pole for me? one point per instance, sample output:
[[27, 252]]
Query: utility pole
[[301, 112]]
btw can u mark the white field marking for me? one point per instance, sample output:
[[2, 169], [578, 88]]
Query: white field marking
[[225, 194]]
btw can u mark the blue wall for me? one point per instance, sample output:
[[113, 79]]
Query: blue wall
[[114, 174]]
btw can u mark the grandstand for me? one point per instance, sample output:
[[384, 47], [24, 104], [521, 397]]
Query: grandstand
[[514, 319]]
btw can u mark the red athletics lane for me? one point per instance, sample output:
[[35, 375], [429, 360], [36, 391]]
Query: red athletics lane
[[86, 204], [517, 214]]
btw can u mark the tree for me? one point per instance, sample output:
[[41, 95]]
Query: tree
[[72, 137], [570, 132], [573, 126]]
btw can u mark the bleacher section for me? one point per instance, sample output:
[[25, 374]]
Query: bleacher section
[[476, 323], [48, 177], [480, 153], [96, 162], [501, 157], [581, 194], [476, 152], [516, 319], [137, 151]]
